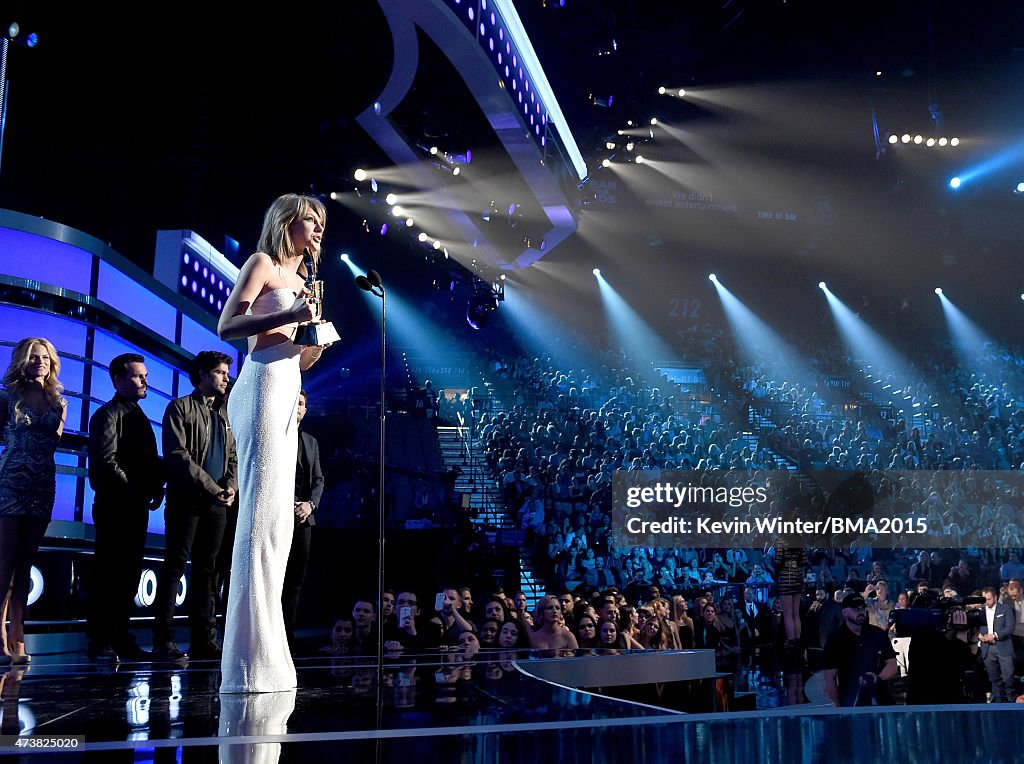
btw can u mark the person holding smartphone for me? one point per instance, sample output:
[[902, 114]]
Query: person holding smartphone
[[410, 631], [446, 607]]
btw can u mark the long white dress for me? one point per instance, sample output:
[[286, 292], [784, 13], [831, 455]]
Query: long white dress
[[261, 409]]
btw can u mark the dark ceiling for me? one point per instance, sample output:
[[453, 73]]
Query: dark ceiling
[[125, 119]]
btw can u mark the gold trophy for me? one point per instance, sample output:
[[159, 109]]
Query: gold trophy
[[317, 331]]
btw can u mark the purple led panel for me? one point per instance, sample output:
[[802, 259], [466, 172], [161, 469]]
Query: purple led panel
[[24, 256]]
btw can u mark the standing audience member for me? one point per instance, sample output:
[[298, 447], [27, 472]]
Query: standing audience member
[[309, 488], [127, 477], [997, 645], [858, 658], [1015, 599], [199, 455], [32, 413]]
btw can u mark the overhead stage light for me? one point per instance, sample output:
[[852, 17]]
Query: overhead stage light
[[597, 272], [821, 286], [360, 175], [606, 163], [713, 277], [938, 291], [661, 90], [391, 198], [954, 183], [639, 159]]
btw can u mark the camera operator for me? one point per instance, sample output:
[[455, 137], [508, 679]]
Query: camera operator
[[858, 658], [942, 656]]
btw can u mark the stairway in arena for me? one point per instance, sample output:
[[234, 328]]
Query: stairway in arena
[[460, 448]]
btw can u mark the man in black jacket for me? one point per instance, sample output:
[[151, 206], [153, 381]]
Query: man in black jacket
[[127, 478], [309, 487], [202, 468]]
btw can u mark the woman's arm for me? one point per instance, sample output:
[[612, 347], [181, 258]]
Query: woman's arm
[[63, 416], [234, 324]]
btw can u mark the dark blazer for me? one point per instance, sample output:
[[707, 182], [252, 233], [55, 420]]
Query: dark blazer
[[186, 437], [309, 478], [1003, 622]]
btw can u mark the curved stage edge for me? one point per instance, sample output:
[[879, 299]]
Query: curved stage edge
[[490, 707]]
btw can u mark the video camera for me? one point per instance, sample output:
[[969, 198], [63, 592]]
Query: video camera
[[939, 616]]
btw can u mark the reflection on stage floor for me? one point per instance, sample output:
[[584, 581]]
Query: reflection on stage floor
[[487, 707]]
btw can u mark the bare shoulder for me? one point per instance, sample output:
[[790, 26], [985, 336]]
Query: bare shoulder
[[260, 263]]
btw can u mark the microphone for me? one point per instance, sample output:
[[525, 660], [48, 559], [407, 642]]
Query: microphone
[[363, 283], [374, 278]]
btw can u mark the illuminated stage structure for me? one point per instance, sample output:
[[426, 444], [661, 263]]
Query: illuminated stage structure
[[93, 304]]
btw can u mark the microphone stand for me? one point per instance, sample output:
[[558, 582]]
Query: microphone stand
[[371, 283]]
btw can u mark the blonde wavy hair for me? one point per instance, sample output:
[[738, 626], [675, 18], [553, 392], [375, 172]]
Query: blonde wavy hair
[[275, 240], [16, 382]]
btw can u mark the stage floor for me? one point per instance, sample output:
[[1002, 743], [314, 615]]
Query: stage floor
[[440, 708]]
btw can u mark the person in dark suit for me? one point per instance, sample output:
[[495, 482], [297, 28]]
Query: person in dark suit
[[126, 474], [754, 615], [997, 646], [309, 487]]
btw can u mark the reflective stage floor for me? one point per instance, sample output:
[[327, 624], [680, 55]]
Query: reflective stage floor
[[489, 708]]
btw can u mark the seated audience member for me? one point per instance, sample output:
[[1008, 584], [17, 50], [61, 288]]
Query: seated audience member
[[758, 575], [880, 606], [551, 634], [465, 603], [656, 634], [612, 640], [683, 622], [586, 631], [468, 644], [489, 633], [512, 635], [364, 636], [923, 596], [341, 637], [448, 618], [495, 609], [409, 629]]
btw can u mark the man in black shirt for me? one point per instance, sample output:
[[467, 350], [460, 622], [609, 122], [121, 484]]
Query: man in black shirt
[[858, 657], [127, 478], [202, 469]]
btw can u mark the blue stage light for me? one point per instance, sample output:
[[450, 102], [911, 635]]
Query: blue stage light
[[713, 277], [938, 291], [821, 286], [954, 183], [597, 272]]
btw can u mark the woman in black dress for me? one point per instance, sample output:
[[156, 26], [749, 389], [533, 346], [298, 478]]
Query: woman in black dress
[[790, 562], [32, 412]]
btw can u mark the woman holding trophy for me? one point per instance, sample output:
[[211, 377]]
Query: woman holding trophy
[[268, 304]]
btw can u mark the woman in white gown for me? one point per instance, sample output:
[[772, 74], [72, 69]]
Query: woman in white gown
[[265, 306]]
